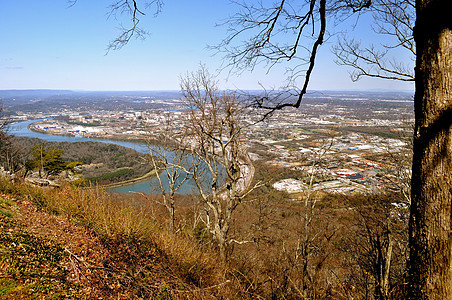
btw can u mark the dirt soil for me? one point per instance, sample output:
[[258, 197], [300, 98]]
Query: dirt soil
[[44, 256]]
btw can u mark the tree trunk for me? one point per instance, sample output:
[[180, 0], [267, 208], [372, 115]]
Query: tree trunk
[[387, 266], [430, 269], [221, 243], [173, 213], [383, 247]]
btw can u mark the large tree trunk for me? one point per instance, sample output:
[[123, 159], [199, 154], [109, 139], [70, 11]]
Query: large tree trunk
[[430, 269]]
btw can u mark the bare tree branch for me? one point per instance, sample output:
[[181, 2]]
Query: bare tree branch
[[285, 31], [214, 130], [394, 19], [133, 9]]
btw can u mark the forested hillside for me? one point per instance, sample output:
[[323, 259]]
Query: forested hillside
[[102, 163]]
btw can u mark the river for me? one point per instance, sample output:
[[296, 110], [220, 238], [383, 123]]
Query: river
[[149, 186]]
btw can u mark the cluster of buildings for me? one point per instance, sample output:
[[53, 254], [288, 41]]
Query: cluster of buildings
[[344, 163], [106, 124], [352, 151]]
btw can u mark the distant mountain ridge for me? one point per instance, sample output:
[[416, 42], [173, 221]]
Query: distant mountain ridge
[[54, 101], [33, 93]]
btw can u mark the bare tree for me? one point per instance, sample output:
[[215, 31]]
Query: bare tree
[[430, 221], [4, 138], [283, 31], [134, 9], [401, 158], [3, 118], [222, 169], [11, 156], [292, 21], [378, 243], [395, 20], [170, 160], [308, 238]]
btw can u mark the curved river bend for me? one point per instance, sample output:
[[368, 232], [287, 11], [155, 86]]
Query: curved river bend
[[149, 186]]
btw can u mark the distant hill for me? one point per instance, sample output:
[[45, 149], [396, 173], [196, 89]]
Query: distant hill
[[19, 97], [38, 93], [32, 93], [54, 101]]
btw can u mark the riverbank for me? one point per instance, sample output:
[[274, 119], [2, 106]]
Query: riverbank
[[135, 140], [130, 181], [138, 184], [138, 140], [118, 138]]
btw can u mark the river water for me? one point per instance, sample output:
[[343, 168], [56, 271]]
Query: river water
[[149, 186]]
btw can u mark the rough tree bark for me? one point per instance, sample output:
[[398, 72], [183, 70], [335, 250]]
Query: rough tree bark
[[430, 266]]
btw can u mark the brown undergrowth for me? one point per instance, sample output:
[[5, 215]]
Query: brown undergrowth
[[116, 246], [99, 247]]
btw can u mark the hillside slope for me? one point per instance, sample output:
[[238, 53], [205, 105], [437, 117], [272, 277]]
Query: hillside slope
[[60, 256]]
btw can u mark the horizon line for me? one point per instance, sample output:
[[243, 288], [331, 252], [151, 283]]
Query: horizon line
[[170, 90]]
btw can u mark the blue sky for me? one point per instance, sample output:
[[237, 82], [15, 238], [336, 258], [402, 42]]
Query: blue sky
[[47, 45]]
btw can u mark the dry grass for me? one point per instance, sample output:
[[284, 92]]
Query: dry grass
[[129, 227], [270, 266]]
